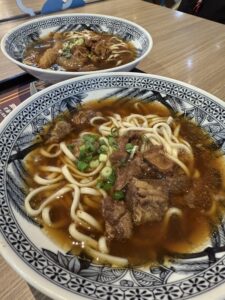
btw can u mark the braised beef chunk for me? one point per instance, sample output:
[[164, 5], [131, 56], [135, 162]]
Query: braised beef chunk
[[50, 56], [177, 182], [59, 131], [82, 118], [120, 156], [61, 128], [133, 168], [127, 168], [135, 137], [214, 179], [147, 201], [118, 223], [198, 196], [157, 158], [78, 59]]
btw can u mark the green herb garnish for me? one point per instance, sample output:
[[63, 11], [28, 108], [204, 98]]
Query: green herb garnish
[[112, 142], [103, 149], [81, 165], [107, 183], [112, 177], [79, 42], [115, 132], [129, 147], [118, 195], [91, 138], [90, 147], [106, 186]]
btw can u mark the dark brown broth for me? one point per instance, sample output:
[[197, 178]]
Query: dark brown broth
[[149, 243]]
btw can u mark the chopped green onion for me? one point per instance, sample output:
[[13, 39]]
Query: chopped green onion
[[115, 132], [103, 149], [104, 185], [66, 51], [94, 164], [68, 55], [82, 154], [82, 148], [91, 138], [133, 151], [112, 178], [78, 41], [118, 195], [129, 147], [88, 158], [106, 172], [65, 45], [108, 182], [112, 142], [103, 157], [81, 165], [102, 141], [90, 147]]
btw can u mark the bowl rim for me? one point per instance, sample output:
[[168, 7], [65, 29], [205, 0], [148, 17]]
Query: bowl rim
[[12, 258], [57, 72]]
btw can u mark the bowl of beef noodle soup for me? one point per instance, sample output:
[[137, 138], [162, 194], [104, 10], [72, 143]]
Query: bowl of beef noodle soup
[[56, 48], [115, 181]]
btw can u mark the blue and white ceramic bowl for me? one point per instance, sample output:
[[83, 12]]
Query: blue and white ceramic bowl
[[14, 42], [199, 275]]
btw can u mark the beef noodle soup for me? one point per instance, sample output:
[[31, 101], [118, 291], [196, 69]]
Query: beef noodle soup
[[79, 51], [127, 187]]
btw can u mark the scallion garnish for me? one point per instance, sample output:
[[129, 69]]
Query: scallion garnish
[[112, 142], [107, 183], [81, 165], [91, 138], [129, 147], [106, 186], [115, 132], [103, 149], [78, 42], [90, 147], [112, 177], [106, 172], [118, 195]]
